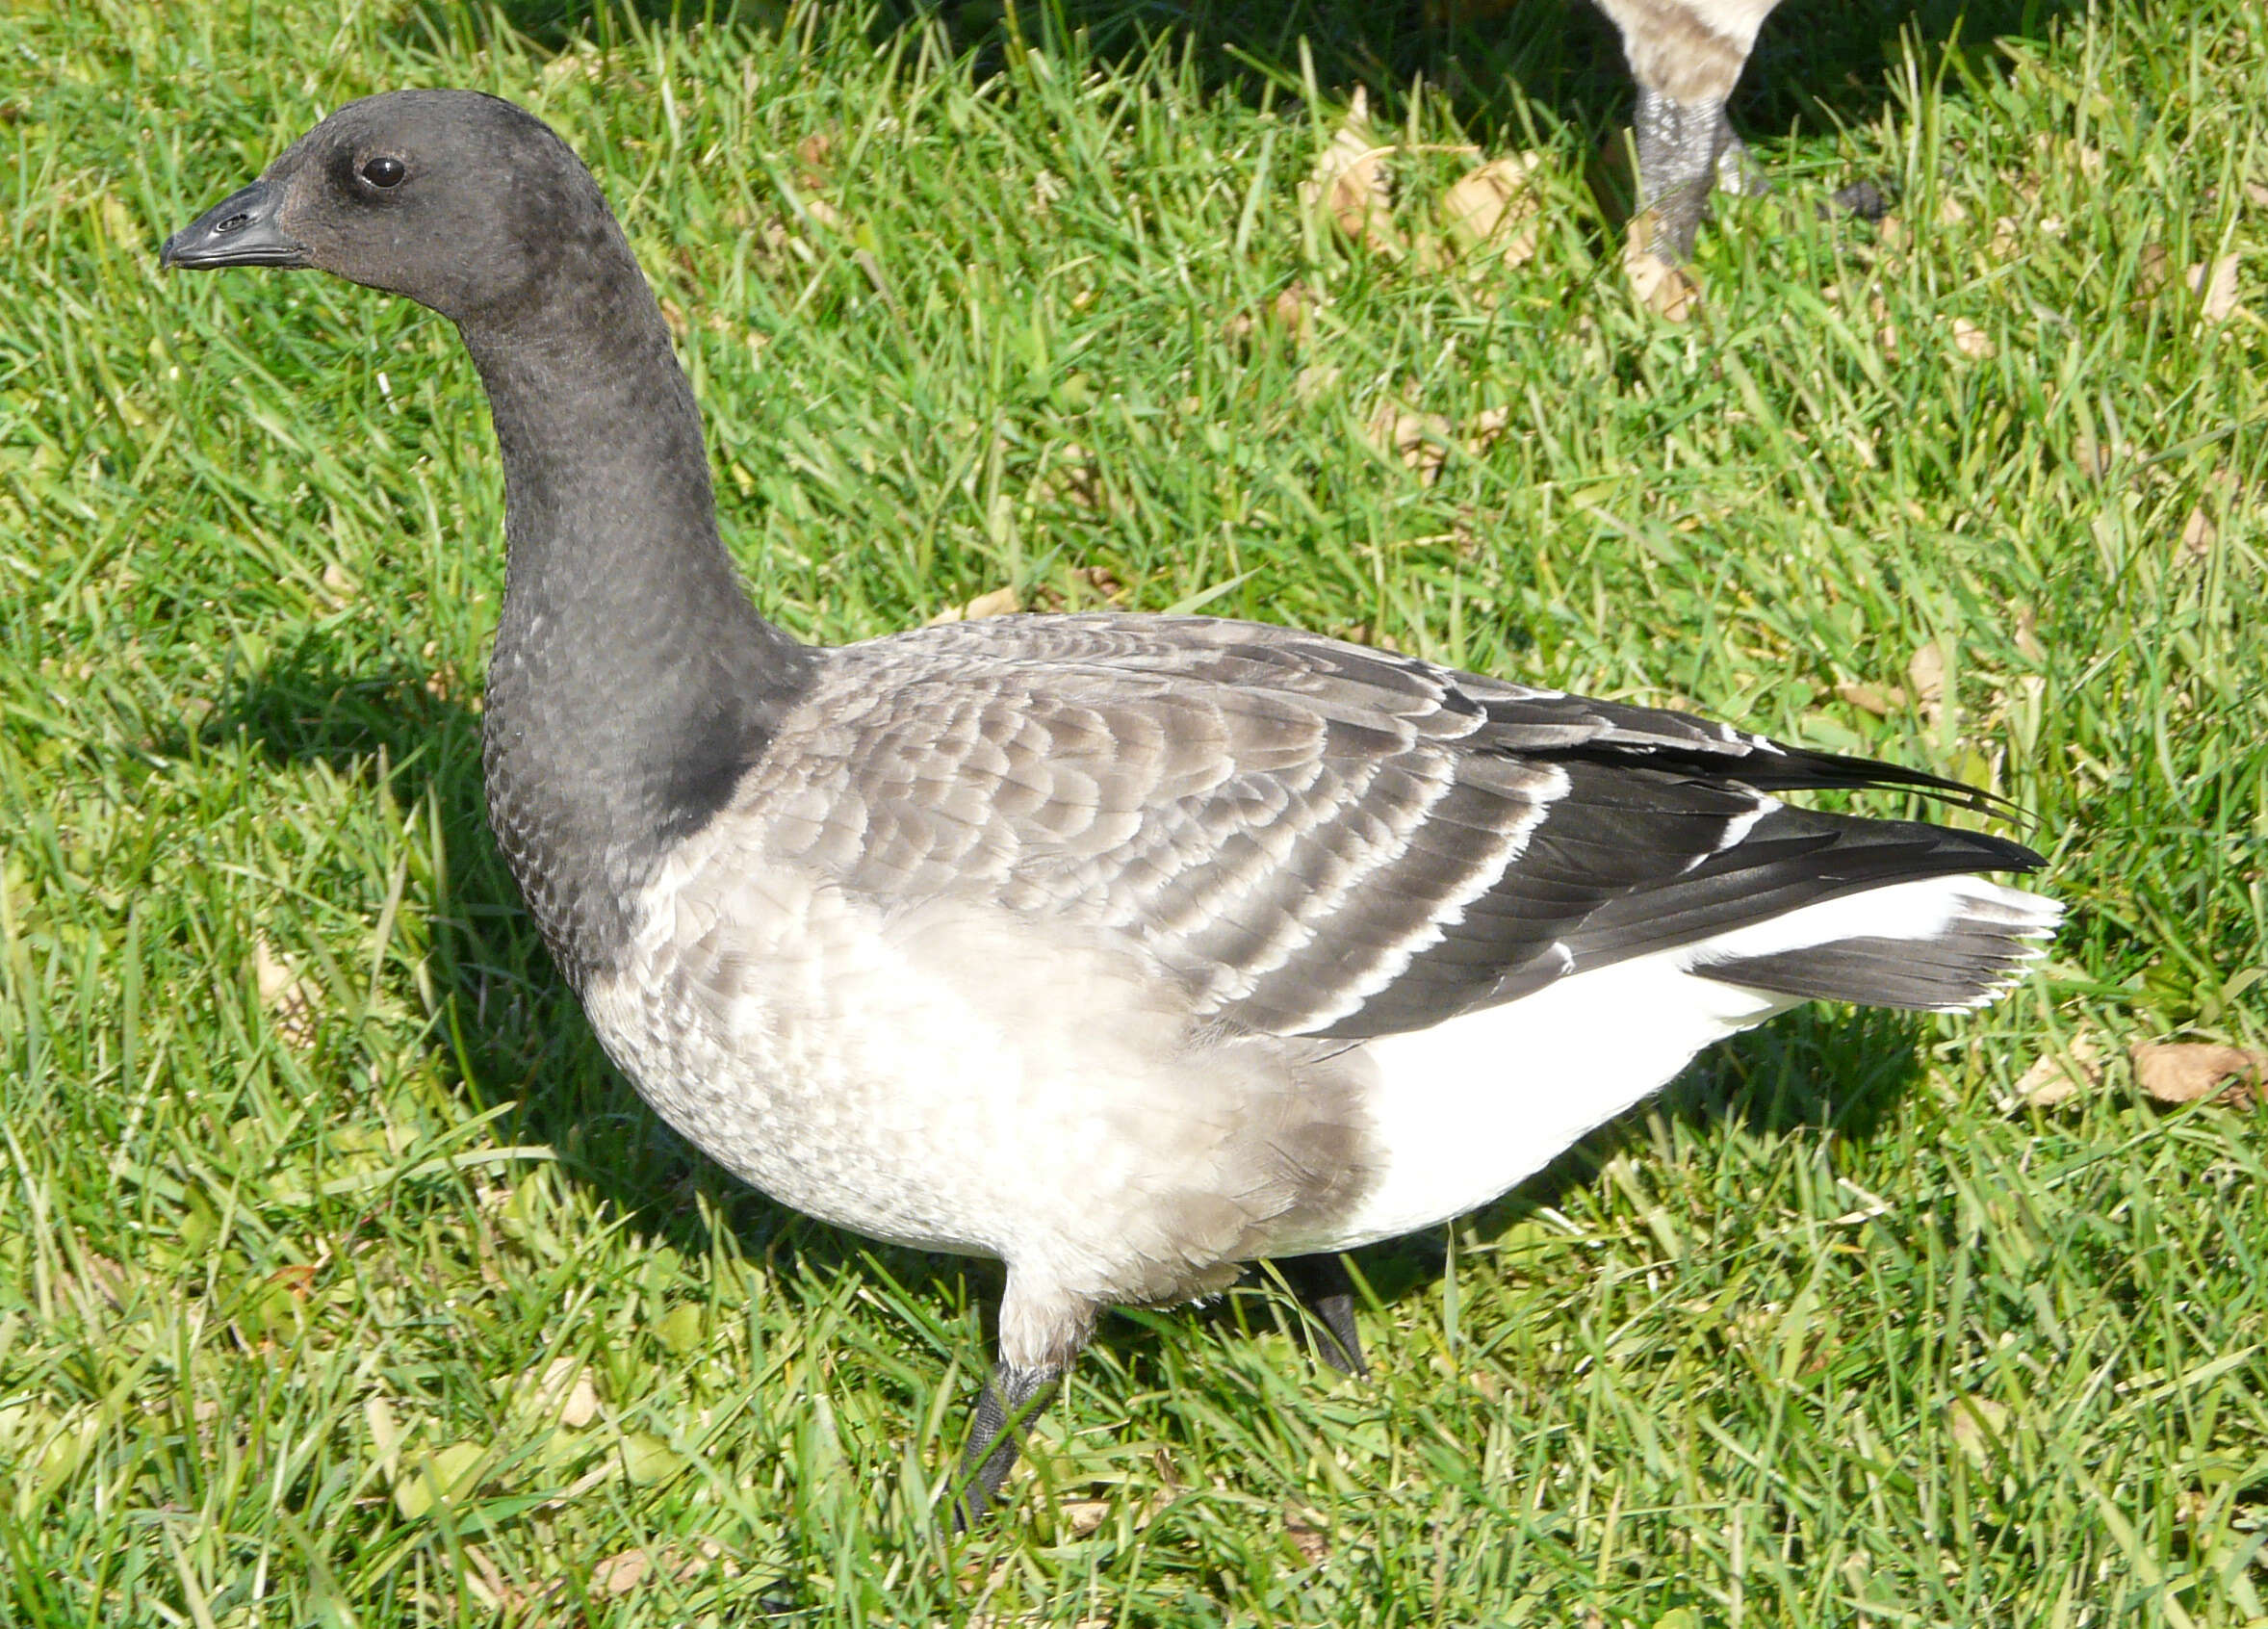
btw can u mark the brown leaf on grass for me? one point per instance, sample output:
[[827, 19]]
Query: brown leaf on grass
[[1348, 187], [2028, 634], [620, 1573], [1101, 581], [1926, 673], [2215, 287], [2099, 458], [625, 1570], [489, 1587], [1315, 381], [1423, 440], [1667, 290], [2066, 150], [1312, 1542], [2055, 1078], [1078, 1517], [2197, 532], [286, 994], [2181, 1071], [2153, 271], [1292, 312], [1294, 309], [1496, 206], [1000, 602], [1971, 341], [102, 1278], [1872, 698], [563, 1390], [1977, 1425], [2214, 284]]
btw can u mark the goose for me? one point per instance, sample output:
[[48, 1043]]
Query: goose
[[1126, 949]]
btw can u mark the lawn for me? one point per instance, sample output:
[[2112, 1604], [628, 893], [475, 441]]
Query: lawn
[[343, 1283]]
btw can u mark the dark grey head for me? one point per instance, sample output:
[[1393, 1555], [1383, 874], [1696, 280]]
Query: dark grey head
[[458, 200]]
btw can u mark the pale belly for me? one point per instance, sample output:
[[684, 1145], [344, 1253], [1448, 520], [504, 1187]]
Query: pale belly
[[953, 1078]]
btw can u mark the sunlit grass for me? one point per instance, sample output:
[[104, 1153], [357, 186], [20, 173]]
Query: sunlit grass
[[342, 1283]]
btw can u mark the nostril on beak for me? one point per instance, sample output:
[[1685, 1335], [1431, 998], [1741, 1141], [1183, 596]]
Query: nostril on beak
[[234, 224]]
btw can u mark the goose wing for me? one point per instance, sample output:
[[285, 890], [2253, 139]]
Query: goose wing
[[1315, 836]]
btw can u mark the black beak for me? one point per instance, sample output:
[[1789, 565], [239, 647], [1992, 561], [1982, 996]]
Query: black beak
[[240, 230]]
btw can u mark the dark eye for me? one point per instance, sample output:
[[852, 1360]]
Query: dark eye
[[384, 171]]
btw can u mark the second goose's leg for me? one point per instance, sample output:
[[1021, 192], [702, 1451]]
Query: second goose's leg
[[1325, 1294]]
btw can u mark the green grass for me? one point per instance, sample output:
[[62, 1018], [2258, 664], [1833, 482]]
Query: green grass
[[1829, 1335]]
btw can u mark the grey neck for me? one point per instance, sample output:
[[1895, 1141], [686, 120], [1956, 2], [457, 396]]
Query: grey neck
[[632, 683]]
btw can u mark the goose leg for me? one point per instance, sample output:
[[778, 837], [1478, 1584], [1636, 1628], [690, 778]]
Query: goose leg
[[1010, 1398], [1681, 146], [1042, 1330], [1325, 1294]]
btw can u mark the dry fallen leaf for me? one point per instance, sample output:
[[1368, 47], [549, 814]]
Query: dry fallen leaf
[[1926, 673], [1294, 309], [286, 993], [2196, 535], [1496, 205], [2181, 1071], [2058, 1077], [2054, 149], [1870, 698], [2153, 271], [488, 1584], [1311, 1542], [1313, 382], [620, 1573], [1971, 341], [1667, 290], [103, 1278], [1348, 187], [1000, 602], [1421, 439], [1082, 1516], [2028, 634], [2215, 287], [1979, 1426], [564, 1390]]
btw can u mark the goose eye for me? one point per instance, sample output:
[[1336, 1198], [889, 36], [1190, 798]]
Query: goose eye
[[384, 171]]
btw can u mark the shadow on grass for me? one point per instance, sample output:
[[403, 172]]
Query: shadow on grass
[[513, 1032], [516, 1034], [1816, 66]]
